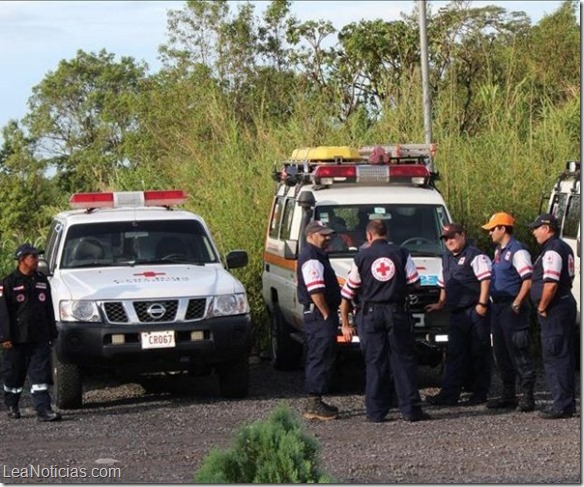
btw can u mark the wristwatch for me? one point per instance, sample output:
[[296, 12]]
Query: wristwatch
[[515, 307], [484, 305]]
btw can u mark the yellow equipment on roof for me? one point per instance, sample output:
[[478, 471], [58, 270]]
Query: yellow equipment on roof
[[326, 154]]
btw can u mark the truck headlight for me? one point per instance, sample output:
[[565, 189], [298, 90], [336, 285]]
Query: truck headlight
[[229, 304], [79, 311]]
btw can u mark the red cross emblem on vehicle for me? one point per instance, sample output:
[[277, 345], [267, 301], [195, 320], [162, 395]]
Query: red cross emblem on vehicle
[[150, 274], [383, 269]]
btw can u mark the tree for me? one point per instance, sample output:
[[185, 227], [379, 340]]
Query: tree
[[554, 53], [27, 192], [81, 114]]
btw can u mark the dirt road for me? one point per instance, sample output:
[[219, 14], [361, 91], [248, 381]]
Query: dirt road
[[160, 433]]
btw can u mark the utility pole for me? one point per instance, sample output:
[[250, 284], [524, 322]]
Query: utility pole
[[425, 79]]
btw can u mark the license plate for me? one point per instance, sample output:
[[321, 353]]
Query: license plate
[[158, 339]]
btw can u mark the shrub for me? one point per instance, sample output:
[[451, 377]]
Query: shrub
[[275, 450]]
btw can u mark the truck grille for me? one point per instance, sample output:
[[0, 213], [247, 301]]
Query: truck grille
[[196, 309], [155, 311], [159, 311], [115, 312], [419, 298]]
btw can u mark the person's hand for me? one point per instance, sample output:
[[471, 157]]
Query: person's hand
[[434, 307], [7, 344], [481, 310], [348, 331]]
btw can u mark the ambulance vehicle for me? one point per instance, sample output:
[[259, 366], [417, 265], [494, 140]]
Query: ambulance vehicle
[[345, 188], [139, 287]]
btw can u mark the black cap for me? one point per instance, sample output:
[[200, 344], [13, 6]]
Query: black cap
[[317, 226], [545, 219], [451, 229], [26, 249]]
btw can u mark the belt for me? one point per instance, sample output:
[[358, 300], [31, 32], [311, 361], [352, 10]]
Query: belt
[[464, 308], [384, 303], [557, 298], [502, 299]]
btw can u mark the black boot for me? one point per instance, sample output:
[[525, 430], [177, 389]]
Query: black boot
[[11, 400], [527, 402], [42, 404], [330, 407], [315, 409], [48, 415], [508, 400]]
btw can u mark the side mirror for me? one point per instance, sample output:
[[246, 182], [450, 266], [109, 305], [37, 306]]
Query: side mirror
[[236, 258], [43, 267], [578, 246], [306, 199], [290, 249]]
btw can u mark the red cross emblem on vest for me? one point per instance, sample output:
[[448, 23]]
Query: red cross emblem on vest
[[383, 269]]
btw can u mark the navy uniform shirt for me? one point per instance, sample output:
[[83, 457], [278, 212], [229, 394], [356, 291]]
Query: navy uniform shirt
[[316, 275], [461, 276], [554, 264], [511, 266], [380, 273], [26, 309]]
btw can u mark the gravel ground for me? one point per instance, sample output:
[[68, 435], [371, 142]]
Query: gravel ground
[[157, 432]]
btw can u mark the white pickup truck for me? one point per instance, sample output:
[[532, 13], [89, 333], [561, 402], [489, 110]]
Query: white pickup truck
[[140, 287]]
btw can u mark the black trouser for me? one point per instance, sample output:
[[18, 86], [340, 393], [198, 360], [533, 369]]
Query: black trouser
[[469, 346], [389, 346], [31, 358], [557, 345], [511, 340], [321, 351]]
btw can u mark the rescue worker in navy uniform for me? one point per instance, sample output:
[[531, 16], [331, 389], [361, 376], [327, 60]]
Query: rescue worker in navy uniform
[[320, 294], [464, 281], [380, 276], [553, 273], [27, 327], [510, 285]]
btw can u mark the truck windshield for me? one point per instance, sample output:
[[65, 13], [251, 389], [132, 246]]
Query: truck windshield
[[137, 242], [415, 227]]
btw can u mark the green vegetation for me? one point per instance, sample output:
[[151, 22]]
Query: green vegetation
[[273, 451], [237, 93]]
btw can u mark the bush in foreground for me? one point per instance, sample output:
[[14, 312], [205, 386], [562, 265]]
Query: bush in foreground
[[275, 450]]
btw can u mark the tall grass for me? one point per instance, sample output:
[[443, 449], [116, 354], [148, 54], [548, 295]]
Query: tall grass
[[226, 167]]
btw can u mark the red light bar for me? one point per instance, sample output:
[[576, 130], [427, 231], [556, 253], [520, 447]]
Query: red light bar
[[92, 200], [372, 174], [408, 171], [164, 197], [338, 173], [127, 199]]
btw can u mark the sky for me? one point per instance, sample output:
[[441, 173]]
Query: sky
[[36, 35]]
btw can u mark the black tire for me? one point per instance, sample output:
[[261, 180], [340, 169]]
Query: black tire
[[67, 385], [286, 352], [234, 378]]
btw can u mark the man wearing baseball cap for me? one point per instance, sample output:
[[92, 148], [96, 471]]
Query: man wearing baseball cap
[[510, 284], [27, 328], [464, 289], [320, 294], [551, 292]]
